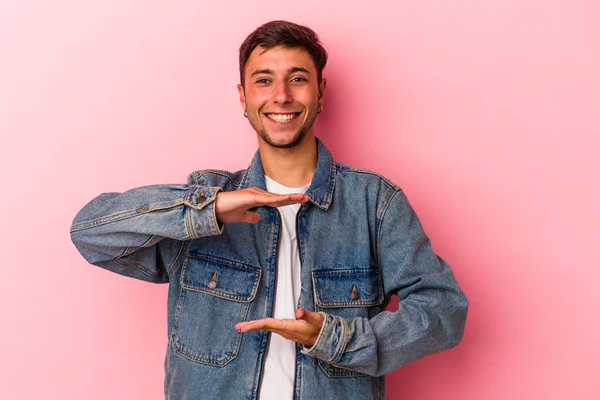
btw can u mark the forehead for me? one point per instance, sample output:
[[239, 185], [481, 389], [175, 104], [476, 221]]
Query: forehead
[[279, 59]]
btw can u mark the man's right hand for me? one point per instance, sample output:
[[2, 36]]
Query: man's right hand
[[233, 206]]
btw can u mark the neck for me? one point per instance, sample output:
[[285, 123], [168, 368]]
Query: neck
[[293, 167]]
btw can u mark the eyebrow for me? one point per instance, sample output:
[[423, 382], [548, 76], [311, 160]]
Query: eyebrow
[[290, 71]]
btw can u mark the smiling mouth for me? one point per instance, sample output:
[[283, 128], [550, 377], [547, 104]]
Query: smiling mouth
[[282, 118]]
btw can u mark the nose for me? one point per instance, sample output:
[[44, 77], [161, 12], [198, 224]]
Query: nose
[[282, 94]]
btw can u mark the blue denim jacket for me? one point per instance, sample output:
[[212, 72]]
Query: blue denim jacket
[[360, 243]]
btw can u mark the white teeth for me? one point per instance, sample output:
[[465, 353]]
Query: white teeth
[[281, 117]]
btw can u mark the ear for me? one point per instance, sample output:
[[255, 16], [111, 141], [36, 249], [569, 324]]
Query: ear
[[322, 90], [242, 96]]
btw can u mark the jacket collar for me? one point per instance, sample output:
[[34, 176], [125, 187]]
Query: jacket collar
[[320, 191]]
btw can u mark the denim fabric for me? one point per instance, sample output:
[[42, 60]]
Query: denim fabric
[[360, 243]]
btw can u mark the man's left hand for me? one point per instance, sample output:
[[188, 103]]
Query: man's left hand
[[304, 330]]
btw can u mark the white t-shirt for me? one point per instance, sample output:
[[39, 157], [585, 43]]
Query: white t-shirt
[[280, 362]]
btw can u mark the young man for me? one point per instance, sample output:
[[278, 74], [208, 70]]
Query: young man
[[296, 245]]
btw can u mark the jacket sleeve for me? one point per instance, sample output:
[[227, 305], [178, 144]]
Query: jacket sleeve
[[432, 310], [141, 233]]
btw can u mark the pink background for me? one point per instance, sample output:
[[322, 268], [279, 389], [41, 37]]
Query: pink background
[[485, 112]]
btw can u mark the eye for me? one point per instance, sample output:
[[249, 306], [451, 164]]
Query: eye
[[262, 81], [298, 79]]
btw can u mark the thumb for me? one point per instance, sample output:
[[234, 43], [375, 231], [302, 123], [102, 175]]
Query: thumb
[[311, 317], [250, 217]]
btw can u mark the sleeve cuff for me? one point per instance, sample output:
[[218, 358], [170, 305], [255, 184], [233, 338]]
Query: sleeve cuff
[[332, 340], [201, 217]]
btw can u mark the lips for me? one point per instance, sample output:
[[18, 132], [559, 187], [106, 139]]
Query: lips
[[282, 117]]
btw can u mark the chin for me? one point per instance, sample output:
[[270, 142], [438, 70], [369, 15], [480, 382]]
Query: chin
[[284, 143]]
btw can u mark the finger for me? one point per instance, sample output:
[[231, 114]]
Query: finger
[[250, 217], [273, 199], [269, 324], [277, 200], [293, 199], [240, 325], [254, 322], [311, 317]]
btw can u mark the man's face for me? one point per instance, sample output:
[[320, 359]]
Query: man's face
[[281, 95]]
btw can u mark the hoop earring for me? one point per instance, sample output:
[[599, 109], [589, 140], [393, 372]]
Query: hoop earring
[[320, 109], [245, 114]]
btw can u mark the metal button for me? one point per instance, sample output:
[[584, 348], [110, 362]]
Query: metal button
[[354, 295], [201, 198], [213, 281]]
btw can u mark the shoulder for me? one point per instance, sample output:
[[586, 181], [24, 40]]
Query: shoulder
[[353, 175], [360, 185], [215, 177]]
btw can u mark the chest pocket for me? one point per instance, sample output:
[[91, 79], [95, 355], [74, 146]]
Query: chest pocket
[[349, 293], [215, 295]]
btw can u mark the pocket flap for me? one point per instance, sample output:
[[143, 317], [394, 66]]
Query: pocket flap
[[220, 277], [347, 288]]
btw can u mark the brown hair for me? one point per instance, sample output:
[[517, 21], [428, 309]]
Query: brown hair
[[286, 34]]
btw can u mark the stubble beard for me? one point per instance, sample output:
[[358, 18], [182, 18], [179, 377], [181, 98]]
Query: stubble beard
[[298, 136]]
